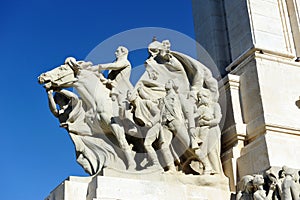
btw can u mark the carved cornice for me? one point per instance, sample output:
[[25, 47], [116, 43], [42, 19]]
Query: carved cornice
[[259, 52]]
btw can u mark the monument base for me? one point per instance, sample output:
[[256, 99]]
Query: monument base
[[142, 186]]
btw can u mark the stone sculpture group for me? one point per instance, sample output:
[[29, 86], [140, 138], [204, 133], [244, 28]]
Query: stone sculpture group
[[270, 186], [168, 121]]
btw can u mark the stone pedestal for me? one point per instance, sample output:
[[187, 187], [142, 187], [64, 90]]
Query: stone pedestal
[[142, 186]]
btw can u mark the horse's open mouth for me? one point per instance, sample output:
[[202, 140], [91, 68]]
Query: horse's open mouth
[[46, 83]]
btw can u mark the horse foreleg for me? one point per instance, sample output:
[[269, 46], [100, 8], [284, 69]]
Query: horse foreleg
[[87, 97]]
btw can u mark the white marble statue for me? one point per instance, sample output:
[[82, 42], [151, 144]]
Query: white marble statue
[[95, 96], [259, 192], [285, 186], [92, 152], [170, 116], [119, 72], [207, 122], [290, 186]]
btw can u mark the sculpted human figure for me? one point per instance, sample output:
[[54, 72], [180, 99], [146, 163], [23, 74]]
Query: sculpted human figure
[[209, 131], [71, 114], [290, 191], [92, 152], [119, 74], [191, 113], [259, 192], [245, 188], [173, 120], [156, 113], [272, 183], [149, 120], [162, 66]]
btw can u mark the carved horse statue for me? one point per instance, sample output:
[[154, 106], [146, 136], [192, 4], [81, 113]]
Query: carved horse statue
[[95, 96]]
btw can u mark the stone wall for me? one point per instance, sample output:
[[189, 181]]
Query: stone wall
[[260, 88]]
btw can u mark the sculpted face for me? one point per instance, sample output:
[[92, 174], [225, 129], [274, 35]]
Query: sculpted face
[[118, 52], [121, 51], [204, 97], [258, 180], [169, 84], [154, 48], [131, 96]]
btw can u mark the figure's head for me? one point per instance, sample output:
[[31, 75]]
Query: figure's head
[[246, 184], [166, 44], [289, 172], [154, 48], [192, 96], [61, 99], [258, 180], [131, 95], [165, 50], [121, 52], [171, 85], [204, 96]]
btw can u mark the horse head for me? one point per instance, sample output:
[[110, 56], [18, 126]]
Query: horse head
[[60, 77]]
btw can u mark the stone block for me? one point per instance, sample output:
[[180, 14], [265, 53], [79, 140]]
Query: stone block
[[73, 188], [279, 86], [259, 7], [167, 186]]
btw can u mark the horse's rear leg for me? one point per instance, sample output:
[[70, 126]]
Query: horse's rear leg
[[119, 132]]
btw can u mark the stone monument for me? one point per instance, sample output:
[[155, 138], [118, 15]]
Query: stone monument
[[256, 46], [158, 139]]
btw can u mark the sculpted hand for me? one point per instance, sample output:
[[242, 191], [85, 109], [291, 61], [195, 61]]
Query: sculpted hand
[[148, 124], [49, 92], [273, 186], [212, 123], [203, 122]]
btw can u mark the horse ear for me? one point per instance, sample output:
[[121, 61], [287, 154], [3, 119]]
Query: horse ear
[[73, 64]]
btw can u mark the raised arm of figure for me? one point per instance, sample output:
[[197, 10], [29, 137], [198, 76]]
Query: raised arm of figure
[[52, 104], [115, 65], [70, 95]]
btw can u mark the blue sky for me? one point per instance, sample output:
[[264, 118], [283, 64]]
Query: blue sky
[[37, 35]]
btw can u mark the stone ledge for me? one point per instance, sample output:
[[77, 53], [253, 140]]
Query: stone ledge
[[171, 186]]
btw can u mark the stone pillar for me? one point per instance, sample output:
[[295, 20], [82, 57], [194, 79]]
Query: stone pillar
[[262, 121], [234, 129]]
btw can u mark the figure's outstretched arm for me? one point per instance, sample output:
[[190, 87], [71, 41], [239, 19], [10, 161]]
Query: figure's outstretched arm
[[70, 95], [114, 66], [95, 68], [52, 104]]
